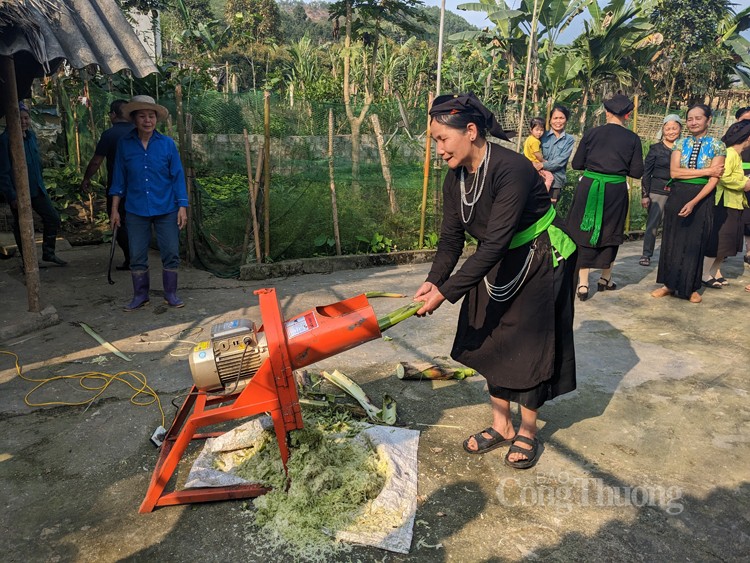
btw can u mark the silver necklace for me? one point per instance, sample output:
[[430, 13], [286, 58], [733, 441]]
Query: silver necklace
[[475, 192]]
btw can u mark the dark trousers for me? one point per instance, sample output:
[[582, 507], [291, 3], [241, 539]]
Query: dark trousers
[[50, 223], [122, 230]]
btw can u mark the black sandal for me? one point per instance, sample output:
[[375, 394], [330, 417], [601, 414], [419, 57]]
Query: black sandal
[[713, 283], [608, 285], [582, 295], [532, 455], [644, 261], [485, 445]]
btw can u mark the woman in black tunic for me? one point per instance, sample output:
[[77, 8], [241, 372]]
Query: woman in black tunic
[[596, 221], [515, 325]]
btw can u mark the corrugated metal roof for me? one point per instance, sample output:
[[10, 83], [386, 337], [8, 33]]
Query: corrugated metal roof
[[83, 32]]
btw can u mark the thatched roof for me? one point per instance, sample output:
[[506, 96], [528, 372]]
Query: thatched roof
[[40, 34]]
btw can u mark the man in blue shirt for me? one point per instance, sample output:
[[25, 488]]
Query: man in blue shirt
[[40, 200], [107, 148], [557, 146], [148, 174]]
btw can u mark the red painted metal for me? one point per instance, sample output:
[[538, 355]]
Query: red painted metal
[[302, 340]]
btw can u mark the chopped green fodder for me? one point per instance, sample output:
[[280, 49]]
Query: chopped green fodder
[[334, 476]]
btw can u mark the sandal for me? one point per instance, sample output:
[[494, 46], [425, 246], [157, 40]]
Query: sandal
[[713, 283], [582, 295], [645, 261], [532, 455], [722, 280], [608, 285], [485, 445]]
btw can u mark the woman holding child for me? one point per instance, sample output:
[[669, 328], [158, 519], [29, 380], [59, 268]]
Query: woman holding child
[[596, 222], [557, 146]]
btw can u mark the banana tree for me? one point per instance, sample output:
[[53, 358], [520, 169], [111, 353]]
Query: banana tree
[[613, 32]]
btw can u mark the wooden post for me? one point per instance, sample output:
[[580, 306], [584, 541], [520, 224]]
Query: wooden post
[[267, 174], [426, 173], [393, 204], [187, 163], [253, 210], [334, 207], [635, 113], [630, 192], [77, 136], [190, 181], [21, 180]]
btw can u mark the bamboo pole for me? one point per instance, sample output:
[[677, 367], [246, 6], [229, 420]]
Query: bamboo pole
[[267, 174], [534, 20], [334, 207], [630, 194], [77, 137], [190, 181], [20, 173], [426, 174], [253, 220], [187, 162]]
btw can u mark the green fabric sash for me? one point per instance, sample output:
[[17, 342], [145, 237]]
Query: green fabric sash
[[561, 242], [746, 165], [592, 216], [699, 181]]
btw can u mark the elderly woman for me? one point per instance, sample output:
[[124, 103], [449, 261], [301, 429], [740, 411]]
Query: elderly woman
[[148, 174], [557, 146], [515, 324], [729, 203], [655, 184], [696, 166], [607, 155]]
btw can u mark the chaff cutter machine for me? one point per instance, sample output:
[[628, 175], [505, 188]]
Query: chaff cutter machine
[[244, 371]]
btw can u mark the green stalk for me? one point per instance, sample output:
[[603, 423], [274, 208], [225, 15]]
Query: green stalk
[[371, 294], [400, 314]]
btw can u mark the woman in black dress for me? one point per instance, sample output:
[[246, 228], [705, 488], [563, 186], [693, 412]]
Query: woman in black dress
[[606, 154], [697, 164], [515, 325]]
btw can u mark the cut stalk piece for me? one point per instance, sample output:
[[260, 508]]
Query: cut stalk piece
[[372, 294], [400, 314], [103, 342], [386, 415], [407, 371]]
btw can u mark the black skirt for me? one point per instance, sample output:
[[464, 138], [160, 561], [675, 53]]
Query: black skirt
[[524, 346], [726, 234], [604, 252], [684, 240]]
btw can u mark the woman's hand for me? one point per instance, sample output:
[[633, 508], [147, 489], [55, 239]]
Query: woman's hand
[[747, 186], [114, 218], [181, 217], [538, 165], [429, 293], [715, 170], [645, 202], [687, 209]]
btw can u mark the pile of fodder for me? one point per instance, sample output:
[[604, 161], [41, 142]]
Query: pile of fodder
[[334, 475]]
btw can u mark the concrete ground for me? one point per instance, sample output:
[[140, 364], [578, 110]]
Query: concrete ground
[[647, 460]]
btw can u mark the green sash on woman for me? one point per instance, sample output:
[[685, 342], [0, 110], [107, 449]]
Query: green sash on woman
[[561, 242], [592, 216], [699, 181]]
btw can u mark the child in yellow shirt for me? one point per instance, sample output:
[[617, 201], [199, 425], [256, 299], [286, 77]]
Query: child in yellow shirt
[[532, 148]]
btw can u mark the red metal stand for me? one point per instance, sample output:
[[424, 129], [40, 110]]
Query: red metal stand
[[316, 334]]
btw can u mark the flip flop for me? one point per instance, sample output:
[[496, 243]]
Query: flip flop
[[645, 261], [485, 445], [532, 455], [713, 283], [723, 281]]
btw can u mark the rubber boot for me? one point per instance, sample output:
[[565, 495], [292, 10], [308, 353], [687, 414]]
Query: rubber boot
[[48, 251], [169, 281], [141, 283]]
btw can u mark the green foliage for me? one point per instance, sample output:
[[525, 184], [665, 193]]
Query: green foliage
[[377, 243], [253, 21]]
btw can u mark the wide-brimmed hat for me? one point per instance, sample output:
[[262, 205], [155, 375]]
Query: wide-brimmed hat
[[145, 102]]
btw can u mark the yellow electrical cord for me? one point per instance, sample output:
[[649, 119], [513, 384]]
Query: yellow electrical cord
[[104, 379]]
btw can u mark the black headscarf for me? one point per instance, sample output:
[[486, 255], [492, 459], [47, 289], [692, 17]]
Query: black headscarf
[[737, 133], [468, 104], [619, 105]]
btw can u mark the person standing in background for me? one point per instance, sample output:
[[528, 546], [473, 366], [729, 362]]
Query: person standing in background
[[107, 148], [557, 146], [40, 201], [655, 184], [607, 154]]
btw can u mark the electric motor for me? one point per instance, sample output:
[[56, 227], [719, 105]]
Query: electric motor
[[230, 359]]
